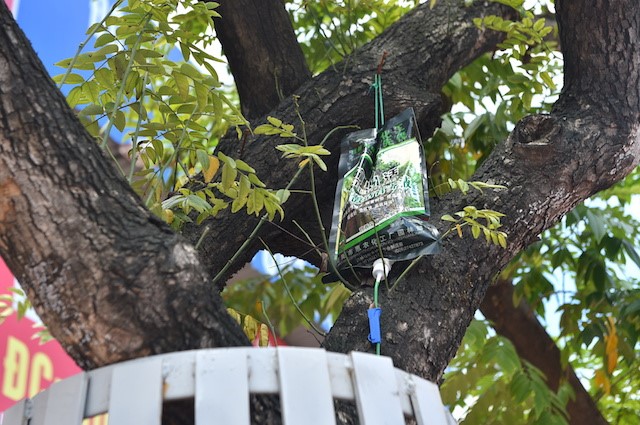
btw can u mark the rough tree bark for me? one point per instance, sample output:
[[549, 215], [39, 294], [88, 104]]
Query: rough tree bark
[[540, 163], [111, 282], [263, 54], [425, 49], [549, 164], [516, 323]]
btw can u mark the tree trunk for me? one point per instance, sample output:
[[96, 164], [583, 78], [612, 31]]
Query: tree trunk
[[549, 164], [425, 48], [509, 321], [264, 56], [110, 280]]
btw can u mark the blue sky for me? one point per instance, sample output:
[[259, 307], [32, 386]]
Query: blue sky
[[55, 28]]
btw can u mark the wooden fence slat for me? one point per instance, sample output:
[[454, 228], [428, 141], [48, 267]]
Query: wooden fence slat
[[15, 415], [427, 404], [263, 372], [305, 387], [221, 387], [405, 387], [136, 393], [62, 403], [377, 395], [340, 373], [221, 381], [178, 372], [39, 404], [98, 391]]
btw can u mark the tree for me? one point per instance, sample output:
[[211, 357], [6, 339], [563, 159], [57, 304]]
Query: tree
[[113, 282]]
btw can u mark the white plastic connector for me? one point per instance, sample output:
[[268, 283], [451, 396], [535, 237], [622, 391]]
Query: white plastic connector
[[381, 268]]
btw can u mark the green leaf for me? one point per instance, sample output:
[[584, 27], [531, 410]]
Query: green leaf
[[255, 180], [91, 92], [539, 24], [470, 210], [526, 100], [203, 158], [520, 387], [283, 195], [106, 50], [244, 187], [202, 96], [158, 147], [186, 52], [274, 121], [258, 201], [320, 162], [544, 76], [464, 187], [190, 71], [631, 251], [92, 110], [502, 240], [182, 83], [104, 76], [120, 120], [238, 203], [229, 174], [197, 203], [74, 97], [597, 225], [243, 166], [71, 79], [266, 129], [63, 63]]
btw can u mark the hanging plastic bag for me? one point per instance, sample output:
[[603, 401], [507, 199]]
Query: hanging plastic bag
[[382, 205]]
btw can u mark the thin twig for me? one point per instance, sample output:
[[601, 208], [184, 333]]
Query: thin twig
[[286, 287]]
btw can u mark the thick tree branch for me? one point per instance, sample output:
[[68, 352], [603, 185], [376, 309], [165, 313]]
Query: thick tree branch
[[549, 164], [79, 208], [110, 280], [516, 323], [264, 56], [425, 48], [520, 325]]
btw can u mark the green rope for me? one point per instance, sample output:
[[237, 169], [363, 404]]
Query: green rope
[[375, 304], [379, 104], [379, 120]]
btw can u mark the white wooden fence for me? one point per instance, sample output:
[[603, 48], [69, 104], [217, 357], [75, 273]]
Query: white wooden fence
[[220, 381]]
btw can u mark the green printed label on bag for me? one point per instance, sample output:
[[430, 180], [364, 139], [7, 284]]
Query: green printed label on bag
[[381, 202]]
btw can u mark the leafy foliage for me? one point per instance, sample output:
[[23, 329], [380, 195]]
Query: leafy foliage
[[173, 111], [329, 31], [584, 264], [302, 287], [579, 269], [469, 217], [251, 327], [493, 385]]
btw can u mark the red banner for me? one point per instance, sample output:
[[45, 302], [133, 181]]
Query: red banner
[[13, 6], [26, 366]]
